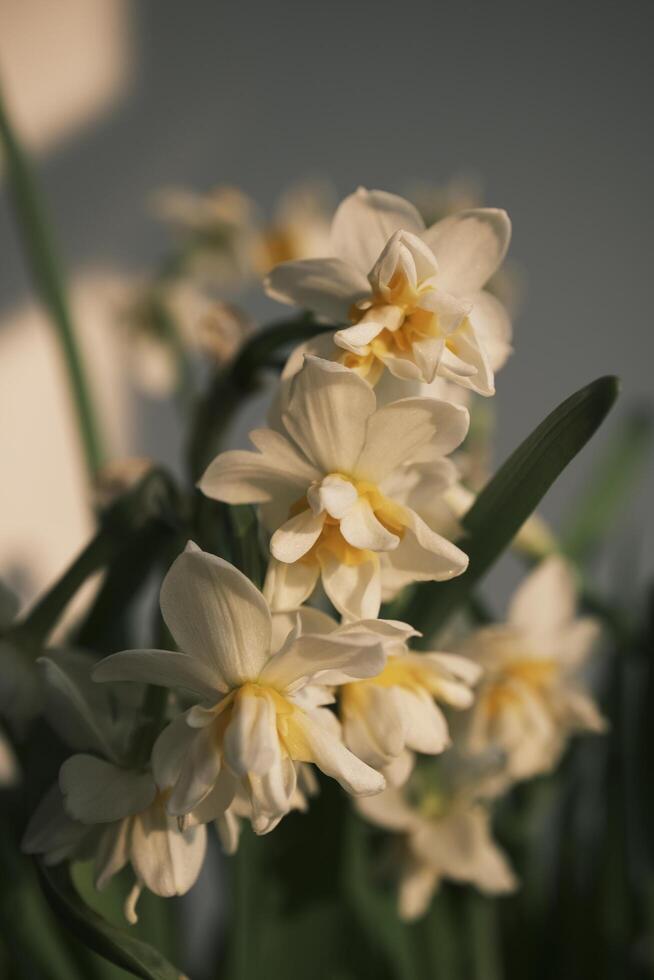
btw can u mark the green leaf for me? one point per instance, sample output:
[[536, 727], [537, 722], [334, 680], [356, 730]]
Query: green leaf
[[610, 485], [111, 942], [511, 496]]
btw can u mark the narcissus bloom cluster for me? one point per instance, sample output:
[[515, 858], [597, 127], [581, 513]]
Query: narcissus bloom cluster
[[359, 483]]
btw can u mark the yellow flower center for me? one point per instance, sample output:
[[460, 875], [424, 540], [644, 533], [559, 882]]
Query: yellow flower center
[[331, 540], [407, 322], [291, 736], [500, 692]]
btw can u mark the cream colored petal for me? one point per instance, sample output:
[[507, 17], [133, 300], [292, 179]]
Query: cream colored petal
[[325, 659], [426, 728], [469, 247], [468, 364], [198, 774], [546, 600], [331, 756], [216, 803], [389, 810], [293, 539], [327, 414], [334, 495], [287, 586], [365, 221], [216, 615], [492, 325], [96, 791], [416, 890], [162, 667], [229, 830], [328, 286], [167, 860], [361, 529], [244, 477], [357, 338], [397, 432], [251, 743], [424, 555], [169, 751], [355, 590]]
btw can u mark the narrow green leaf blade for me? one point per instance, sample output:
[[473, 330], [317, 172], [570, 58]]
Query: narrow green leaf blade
[[111, 942], [512, 495]]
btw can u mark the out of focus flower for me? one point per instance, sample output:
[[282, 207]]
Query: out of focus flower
[[531, 698], [170, 320], [104, 807], [443, 838], [326, 486], [217, 232], [386, 716], [257, 715], [300, 228], [414, 296]]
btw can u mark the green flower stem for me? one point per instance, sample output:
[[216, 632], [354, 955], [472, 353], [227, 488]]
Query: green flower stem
[[41, 256]]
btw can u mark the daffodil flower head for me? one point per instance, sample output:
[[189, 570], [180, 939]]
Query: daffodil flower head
[[413, 297], [398, 712], [531, 699], [259, 710], [104, 807], [443, 836], [327, 486]]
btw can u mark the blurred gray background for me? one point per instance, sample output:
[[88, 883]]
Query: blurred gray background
[[550, 105]]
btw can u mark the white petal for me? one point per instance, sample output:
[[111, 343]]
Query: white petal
[[357, 338], [215, 804], [467, 364], [396, 433], [167, 860], [216, 615], [287, 586], [325, 659], [198, 774], [546, 600], [469, 247], [327, 414], [426, 726], [229, 830], [424, 555], [334, 495], [96, 791], [355, 590], [365, 221], [417, 886], [361, 529], [493, 329], [251, 743], [161, 667], [329, 287], [293, 539], [389, 810], [331, 756], [243, 477], [169, 751]]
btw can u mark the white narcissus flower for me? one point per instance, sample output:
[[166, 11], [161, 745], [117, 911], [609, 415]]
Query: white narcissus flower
[[386, 717], [442, 842], [326, 489], [530, 699], [256, 717], [413, 297], [101, 807]]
